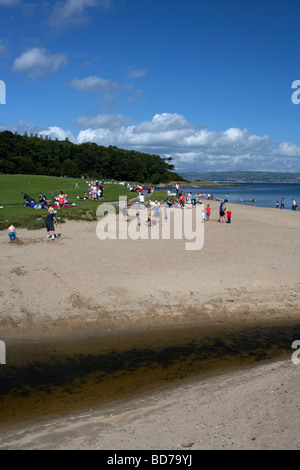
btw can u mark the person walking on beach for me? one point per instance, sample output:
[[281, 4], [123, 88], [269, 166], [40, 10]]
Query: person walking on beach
[[50, 221], [282, 203], [277, 203], [294, 205]]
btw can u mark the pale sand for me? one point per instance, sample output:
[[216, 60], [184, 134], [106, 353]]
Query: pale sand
[[248, 270]]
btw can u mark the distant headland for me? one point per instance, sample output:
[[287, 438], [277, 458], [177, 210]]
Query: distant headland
[[239, 177]]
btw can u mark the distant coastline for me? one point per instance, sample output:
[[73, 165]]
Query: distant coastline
[[195, 184], [242, 177]]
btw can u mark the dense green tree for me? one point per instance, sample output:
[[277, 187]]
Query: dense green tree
[[40, 155]]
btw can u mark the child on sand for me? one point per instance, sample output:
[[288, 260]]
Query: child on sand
[[228, 214], [11, 232], [50, 221], [208, 211]]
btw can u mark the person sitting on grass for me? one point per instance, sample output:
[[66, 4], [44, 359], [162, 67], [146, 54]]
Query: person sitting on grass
[[50, 221], [61, 199]]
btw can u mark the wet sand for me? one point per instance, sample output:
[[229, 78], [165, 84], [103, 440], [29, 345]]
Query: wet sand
[[256, 409]]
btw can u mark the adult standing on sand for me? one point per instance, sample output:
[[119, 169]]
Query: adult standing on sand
[[222, 213], [282, 203]]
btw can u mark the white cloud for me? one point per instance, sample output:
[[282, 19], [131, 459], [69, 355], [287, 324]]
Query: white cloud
[[22, 127], [58, 133], [193, 148], [94, 84], [38, 63], [288, 149], [72, 11], [164, 122], [103, 121]]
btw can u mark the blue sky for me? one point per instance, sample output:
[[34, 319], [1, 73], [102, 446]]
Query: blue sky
[[208, 83]]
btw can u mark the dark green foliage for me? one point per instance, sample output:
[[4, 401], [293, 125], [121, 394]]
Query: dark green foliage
[[42, 156]]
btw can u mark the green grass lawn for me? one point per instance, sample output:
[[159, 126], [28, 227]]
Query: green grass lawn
[[12, 200]]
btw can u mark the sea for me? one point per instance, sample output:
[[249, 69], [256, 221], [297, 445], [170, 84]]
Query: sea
[[252, 194]]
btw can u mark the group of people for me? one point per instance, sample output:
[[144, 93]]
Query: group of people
[[225, 214], [50, 222], [294, 204], [95, 190], [137, 188]]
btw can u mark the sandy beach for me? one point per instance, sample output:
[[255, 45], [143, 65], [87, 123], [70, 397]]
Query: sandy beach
[[247, 271]]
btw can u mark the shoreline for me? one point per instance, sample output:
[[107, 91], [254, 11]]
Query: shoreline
[[246, 273]]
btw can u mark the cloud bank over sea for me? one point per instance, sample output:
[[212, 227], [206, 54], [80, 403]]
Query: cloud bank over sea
[[192, 147]]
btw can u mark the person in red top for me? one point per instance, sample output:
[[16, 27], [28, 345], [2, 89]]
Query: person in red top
[[208, 212], [61, 199], [228, 214]]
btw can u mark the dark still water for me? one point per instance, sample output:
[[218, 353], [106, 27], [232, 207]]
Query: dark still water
[[56, 377], [265, 194]]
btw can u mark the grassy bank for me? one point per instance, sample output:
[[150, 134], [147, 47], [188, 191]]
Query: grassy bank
[[14, 212]]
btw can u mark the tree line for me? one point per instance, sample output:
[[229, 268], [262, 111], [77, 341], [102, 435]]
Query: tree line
[[38, 155]]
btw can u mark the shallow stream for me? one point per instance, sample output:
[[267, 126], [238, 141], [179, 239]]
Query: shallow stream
[[44, 379]]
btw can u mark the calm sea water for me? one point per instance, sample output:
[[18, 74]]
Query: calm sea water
[[265, 194]]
